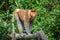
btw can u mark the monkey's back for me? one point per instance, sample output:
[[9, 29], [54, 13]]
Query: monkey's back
[[24, 15]]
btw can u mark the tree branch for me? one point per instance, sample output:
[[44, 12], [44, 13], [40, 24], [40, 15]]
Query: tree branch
[[40, 34]]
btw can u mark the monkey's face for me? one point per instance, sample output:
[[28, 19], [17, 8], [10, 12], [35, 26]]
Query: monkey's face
[[33, 13]]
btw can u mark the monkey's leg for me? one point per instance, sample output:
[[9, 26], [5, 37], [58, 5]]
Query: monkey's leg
[[20, 28], [30, 26], [27, 27]]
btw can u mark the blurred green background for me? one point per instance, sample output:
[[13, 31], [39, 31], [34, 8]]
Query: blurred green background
[[48, 16]]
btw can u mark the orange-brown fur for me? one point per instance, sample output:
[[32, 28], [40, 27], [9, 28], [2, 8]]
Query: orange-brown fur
[[23, 13], [26, 16]]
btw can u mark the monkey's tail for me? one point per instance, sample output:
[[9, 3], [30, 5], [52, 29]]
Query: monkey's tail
[[13, 31], [13, 24]]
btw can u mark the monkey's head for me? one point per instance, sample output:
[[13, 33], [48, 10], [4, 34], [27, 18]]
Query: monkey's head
[[33, 13]]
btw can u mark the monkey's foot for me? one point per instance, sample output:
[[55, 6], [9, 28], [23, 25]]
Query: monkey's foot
[[22, 34], [29, 34]]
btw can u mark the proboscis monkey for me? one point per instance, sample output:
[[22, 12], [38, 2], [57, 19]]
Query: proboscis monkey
[[25, 19]]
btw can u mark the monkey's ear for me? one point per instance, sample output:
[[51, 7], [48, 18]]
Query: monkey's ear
[[33, 13]]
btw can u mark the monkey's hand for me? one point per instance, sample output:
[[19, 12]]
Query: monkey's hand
[[22, 34], [29, 34]]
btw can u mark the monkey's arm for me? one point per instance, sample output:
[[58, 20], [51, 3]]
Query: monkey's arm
[[31, 23]]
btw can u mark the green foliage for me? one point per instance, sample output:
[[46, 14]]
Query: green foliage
[[48, 16]]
